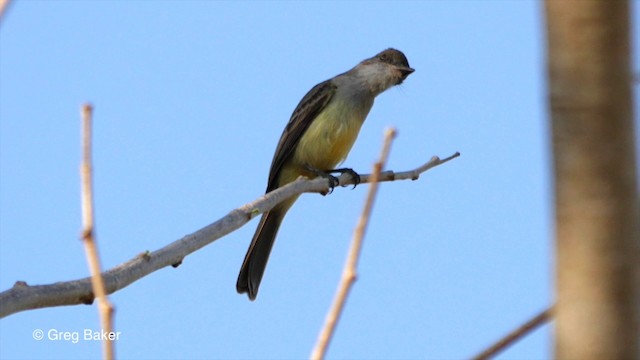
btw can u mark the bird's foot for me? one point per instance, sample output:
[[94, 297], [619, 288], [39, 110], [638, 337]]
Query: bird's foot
[[333, 181], [354, 175]]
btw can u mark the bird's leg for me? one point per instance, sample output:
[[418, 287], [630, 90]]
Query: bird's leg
[[354, 175], [333, 181]]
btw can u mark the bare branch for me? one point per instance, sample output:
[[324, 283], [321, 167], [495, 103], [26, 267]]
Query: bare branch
[[105, 309], [350, 268], [390, 175], [25, 297], [516, 335]]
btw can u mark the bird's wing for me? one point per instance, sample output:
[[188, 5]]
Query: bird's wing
[[309, 107]]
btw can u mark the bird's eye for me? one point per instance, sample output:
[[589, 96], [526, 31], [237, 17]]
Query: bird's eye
[[383, 57]]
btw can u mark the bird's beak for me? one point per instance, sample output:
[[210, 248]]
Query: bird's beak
[[405, 71]]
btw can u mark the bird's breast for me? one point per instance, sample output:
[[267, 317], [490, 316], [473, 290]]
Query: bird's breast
[[331, 135]]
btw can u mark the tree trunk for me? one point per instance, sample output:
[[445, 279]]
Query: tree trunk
[[596, 195]]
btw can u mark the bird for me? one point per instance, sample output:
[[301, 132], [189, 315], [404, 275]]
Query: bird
[[318, 137]]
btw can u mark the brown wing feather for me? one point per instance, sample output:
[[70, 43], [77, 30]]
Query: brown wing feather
[[307, 110]]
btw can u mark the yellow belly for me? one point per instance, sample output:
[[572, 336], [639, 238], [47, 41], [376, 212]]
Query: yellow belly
[[329, 138], [327, 141]]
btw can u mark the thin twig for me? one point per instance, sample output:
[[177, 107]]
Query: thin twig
[[350, 269], [515, 335], [25, 297], [389, 175], [105, 310]]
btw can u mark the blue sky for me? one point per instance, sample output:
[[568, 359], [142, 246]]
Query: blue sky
[[190, 99]]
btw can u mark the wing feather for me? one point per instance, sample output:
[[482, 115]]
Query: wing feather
[[303, 115]]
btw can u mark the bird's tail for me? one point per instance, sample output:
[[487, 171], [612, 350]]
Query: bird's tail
[[257, 256]]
